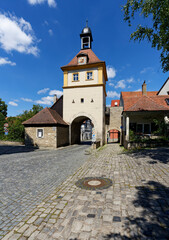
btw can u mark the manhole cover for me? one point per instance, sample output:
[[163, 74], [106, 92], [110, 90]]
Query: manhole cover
[[94, 183]]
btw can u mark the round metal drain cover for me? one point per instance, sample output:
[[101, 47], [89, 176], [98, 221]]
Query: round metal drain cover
[[94, 183]]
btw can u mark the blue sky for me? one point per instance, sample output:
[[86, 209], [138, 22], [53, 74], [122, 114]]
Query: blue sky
[[37, 37]]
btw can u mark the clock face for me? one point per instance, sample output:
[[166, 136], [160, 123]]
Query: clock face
[[85, 30], [81, 60]]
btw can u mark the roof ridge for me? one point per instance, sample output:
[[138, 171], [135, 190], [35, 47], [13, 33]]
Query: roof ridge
[[155, 101], [52, 115], [133, 104]]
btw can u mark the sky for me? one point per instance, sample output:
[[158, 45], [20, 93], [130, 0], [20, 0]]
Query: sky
[[37, 37]]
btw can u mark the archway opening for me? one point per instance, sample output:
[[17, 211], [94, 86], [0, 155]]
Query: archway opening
[[81, 130]]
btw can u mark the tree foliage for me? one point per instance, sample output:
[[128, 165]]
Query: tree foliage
[[16, 129], [3, 107], [158, 33]]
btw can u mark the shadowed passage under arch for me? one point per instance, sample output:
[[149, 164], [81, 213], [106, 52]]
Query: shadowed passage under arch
[[80, 127]]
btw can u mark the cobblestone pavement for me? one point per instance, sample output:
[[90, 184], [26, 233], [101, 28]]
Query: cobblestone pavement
[[136, 206], [27, 177]]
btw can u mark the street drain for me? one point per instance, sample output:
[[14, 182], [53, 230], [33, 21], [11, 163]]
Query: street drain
[[94, 183]]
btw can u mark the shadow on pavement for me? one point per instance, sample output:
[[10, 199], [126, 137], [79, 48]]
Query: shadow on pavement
[[4, 149], [152, 201], [156, 155]]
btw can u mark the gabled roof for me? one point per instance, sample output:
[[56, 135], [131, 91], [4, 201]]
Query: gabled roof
[[92, 58], [46, 116], [145, 103], [163, 86]]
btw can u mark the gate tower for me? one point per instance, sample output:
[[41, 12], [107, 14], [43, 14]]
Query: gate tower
[[84, 90]]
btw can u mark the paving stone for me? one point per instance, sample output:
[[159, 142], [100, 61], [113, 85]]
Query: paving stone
[[129, 209]]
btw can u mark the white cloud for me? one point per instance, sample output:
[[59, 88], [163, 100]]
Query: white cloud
[[138, 90], [16, 34], [27, 99], [45, 100], [147, 69], [111, 72], [50, 32], [5, 61], [130, 80], [120, 84], [51, 3], [111, 84], [13, 104], [44, 90], [112, 94], [57, 92]]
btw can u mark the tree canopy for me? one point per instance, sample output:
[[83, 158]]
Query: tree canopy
[[16, 129], [3, 108], [158, 33]]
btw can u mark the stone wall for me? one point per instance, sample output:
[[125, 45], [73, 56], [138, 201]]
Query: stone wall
[[115, 118], [48, 140], [62, 135]]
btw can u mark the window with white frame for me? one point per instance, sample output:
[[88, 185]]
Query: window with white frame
[[75, 77], [89, 75], [40, 133]]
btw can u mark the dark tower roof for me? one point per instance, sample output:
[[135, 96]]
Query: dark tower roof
[[86, 34]]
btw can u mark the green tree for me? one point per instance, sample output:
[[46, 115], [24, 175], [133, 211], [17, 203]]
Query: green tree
[[158, 33], [3, 107], [36, 108], [16, 129], [2, 121]]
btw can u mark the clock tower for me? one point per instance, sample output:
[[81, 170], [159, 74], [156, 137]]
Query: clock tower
[[84, 90]]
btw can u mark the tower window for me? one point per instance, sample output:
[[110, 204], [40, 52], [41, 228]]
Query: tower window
[[82, 100], [85, 42], [75, 77], [89, 75]]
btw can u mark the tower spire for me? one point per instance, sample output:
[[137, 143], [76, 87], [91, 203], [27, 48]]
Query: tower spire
[[86, 37]]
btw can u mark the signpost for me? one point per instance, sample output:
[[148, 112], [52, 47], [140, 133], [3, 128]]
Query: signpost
[[93, 135], [6, 125]]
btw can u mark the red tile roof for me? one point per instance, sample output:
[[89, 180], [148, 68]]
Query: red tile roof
[[92, 57], [138, 94], [46, 116], [113, 103], [145, 103]]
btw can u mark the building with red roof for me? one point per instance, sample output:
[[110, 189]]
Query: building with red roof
[[140, 109]]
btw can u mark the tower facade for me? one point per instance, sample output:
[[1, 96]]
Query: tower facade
[[84, 90]]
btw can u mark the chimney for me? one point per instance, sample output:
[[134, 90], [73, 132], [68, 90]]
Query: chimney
[[55, 98], [144, 89]]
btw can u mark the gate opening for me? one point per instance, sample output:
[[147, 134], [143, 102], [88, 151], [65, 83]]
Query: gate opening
[[81, 130], [113, 136]]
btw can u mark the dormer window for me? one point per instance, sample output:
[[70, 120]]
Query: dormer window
[[75, 77], [167, 101]]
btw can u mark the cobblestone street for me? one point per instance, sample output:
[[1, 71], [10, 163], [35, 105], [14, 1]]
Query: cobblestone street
[[27, 177], [136, 206]]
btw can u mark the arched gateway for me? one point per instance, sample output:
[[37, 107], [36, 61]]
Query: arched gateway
[[84, 90]]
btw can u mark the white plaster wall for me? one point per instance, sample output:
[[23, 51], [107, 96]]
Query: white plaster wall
[[93, 110], [83, 77], [165, 89]]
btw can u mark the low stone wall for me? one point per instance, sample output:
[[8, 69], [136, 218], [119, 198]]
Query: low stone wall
[[134, 145], [11, 143]]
